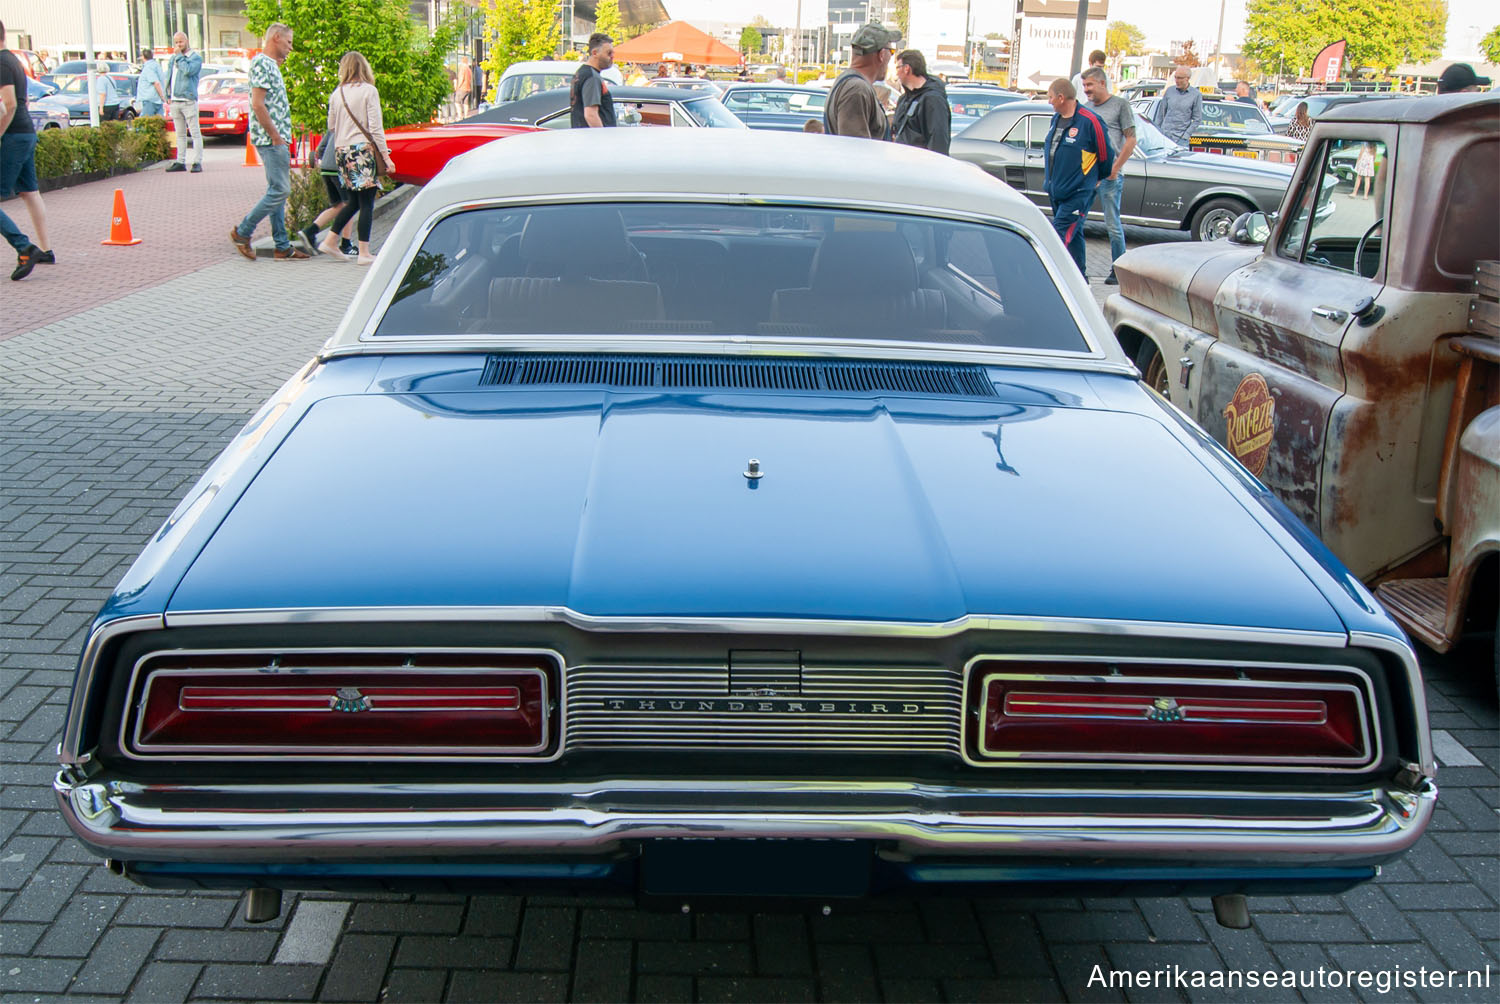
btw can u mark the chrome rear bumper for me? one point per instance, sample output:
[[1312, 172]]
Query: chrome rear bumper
[[344, 822]]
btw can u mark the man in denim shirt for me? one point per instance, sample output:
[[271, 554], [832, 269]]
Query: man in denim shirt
[[182, 91], [151, 85]]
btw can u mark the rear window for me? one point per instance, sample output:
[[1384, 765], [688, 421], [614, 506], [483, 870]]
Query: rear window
[[709, 269]]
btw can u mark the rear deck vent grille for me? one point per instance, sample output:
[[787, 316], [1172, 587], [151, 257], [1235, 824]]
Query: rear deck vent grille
[[688, 373]]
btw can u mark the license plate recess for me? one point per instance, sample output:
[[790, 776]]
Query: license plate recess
[[756, 867]]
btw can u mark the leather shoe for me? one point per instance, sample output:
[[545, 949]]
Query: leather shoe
[[241, 244], [1110, 279], [176, 165], [292, 254]]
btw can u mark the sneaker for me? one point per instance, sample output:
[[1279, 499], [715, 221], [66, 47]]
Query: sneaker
[[46, 258], [292, 254], [25, 262], [310, 234], [348, 248], [1110, 279], [241, 244], [328, 247], [176, 165], [196, 169]]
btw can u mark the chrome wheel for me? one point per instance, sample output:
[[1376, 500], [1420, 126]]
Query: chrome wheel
[[1213, 220]]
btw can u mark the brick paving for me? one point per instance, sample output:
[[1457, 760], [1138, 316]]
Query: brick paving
[[110, 411], [182, 219]]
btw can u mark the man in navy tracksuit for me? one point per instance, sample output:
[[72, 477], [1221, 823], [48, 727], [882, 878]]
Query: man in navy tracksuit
[[1077, 156]]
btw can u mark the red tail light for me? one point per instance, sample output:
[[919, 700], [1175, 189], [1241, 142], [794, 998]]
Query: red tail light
[[367, 707], [1170, 714]]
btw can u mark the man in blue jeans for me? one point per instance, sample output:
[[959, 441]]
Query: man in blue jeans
[[1077, 156], [1119, 123], [18, 165], [270, 128]]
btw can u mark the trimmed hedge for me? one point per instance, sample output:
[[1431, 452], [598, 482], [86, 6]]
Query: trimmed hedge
[[114, 147]]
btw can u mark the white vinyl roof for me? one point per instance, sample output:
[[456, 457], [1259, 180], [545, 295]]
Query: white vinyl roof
[[738, 166], [789, 165]]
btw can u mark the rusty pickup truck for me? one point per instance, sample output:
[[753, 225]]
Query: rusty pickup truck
[[1346, 350]]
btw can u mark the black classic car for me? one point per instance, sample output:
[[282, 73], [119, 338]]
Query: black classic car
[[1166, 185], [1235, 128]]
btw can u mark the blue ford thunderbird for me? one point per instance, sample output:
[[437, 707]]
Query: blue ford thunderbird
[[724, 514]]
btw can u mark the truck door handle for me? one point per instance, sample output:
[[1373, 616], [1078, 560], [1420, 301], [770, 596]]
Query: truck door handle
[[1331, 314]]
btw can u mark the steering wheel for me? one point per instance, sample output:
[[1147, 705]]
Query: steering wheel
[[1359, 249]]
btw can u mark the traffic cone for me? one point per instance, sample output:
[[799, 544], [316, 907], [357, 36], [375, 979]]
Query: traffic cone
[[252, 159], [119, 224]]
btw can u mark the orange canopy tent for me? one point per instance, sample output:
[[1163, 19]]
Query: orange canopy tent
[[679, 42]]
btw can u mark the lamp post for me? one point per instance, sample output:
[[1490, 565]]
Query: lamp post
[[88, 55]]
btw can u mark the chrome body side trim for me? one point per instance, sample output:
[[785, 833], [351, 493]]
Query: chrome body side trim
[[1408, 657], [69, 749], [1345, 826], [757, 625]]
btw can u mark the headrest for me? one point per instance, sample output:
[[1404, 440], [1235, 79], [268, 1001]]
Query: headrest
[[577, 239], [864, 263]]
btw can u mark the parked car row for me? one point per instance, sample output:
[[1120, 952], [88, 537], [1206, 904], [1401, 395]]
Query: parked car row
[[1166, 185]]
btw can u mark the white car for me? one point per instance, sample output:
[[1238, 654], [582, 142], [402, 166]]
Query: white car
[[521, 80]]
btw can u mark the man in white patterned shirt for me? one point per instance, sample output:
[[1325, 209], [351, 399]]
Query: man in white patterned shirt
[[270, 133]]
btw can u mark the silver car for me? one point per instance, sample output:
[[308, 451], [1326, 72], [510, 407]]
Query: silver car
[[1166, 185]]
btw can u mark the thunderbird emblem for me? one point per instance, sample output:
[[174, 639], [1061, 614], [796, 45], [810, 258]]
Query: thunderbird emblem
[[1164, 709], [349, 699]]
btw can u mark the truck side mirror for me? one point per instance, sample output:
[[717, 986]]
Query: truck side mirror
[[1251, 229]]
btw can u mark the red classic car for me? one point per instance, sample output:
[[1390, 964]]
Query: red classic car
[[420, 151], [224, 104]]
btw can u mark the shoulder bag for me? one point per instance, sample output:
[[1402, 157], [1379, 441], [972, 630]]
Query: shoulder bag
[[380, 171]]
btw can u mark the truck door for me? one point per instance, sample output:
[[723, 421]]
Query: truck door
[[1273, 382]]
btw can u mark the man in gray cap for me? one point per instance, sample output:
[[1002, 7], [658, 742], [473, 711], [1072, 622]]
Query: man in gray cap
[[853, 108]]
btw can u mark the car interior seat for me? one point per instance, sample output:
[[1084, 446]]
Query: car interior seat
[[865, 280], [582, 275]]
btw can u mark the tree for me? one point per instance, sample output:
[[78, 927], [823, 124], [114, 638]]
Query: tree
[[1490, 45], [1121, 38], [407, 60], [607, 18], [515, 31], [1380, 33], [750, 41], [901, 14], [1188, 57]]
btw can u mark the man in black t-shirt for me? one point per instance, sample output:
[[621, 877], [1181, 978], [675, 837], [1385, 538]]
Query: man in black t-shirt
[[18, 164], [592, 107]]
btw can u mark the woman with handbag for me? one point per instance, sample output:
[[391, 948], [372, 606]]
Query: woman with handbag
[[360, 150]]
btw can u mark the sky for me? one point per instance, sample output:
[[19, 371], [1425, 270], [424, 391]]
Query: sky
[[1161, 21]]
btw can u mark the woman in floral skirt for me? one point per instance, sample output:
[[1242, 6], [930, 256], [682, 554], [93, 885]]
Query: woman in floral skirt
[[355, 123]]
